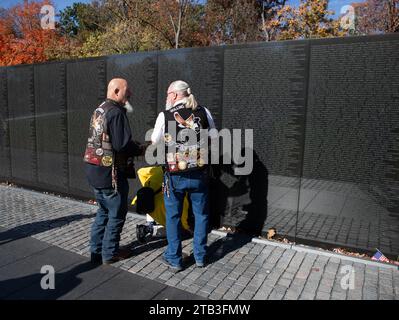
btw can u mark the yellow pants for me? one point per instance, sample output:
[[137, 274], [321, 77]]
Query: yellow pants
[[152, 177]]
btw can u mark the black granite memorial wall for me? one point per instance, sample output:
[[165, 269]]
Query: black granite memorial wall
[[86, 89], [261, 95], [51, 126], [324, 115], [5, 157], [350, 183], [22, 124]]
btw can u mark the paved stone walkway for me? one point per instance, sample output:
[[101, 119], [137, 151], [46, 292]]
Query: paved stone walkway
[[239, 268]]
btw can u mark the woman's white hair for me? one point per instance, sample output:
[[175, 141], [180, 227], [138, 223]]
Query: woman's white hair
[[182, 88]]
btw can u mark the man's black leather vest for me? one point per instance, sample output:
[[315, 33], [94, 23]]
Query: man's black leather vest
[[99, 147], [184, 154]]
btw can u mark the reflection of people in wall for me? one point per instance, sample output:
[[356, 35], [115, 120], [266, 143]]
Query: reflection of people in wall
[[242, 198]]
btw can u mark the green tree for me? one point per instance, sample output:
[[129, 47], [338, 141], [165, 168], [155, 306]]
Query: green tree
[[311, 19], [81, 19], [269, 11]]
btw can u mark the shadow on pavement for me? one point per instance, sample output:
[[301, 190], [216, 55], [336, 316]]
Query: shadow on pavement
[[28, 287], [220, 248], [137, 248], [30, 229]]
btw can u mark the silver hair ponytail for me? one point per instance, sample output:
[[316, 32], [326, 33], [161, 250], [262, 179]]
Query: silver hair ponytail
[[183, 88]]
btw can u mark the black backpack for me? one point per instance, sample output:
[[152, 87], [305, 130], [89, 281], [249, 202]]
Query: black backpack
[[145, 200]]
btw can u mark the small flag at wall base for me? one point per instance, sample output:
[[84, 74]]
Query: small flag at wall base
[[380, 257]]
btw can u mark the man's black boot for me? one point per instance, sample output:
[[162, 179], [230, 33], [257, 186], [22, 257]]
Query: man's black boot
[[96, 258]]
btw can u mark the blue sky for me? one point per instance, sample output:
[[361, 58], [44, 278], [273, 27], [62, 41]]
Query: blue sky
[[335, 5], [59, 4]]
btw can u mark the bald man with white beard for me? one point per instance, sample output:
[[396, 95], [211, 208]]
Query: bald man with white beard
[[108, 151]]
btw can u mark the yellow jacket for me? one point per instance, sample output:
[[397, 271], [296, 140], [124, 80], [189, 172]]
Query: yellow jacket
[[152, 177]]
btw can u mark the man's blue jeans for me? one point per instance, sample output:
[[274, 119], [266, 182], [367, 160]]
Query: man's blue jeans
[[195, 183], [109, 221]]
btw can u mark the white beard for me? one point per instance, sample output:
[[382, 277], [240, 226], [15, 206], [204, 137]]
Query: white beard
[[128, 107], [168, 105]]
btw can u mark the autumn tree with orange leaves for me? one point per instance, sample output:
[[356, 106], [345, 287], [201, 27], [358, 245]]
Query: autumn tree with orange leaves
[[22, 38], [311, 19], [377, 16]]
